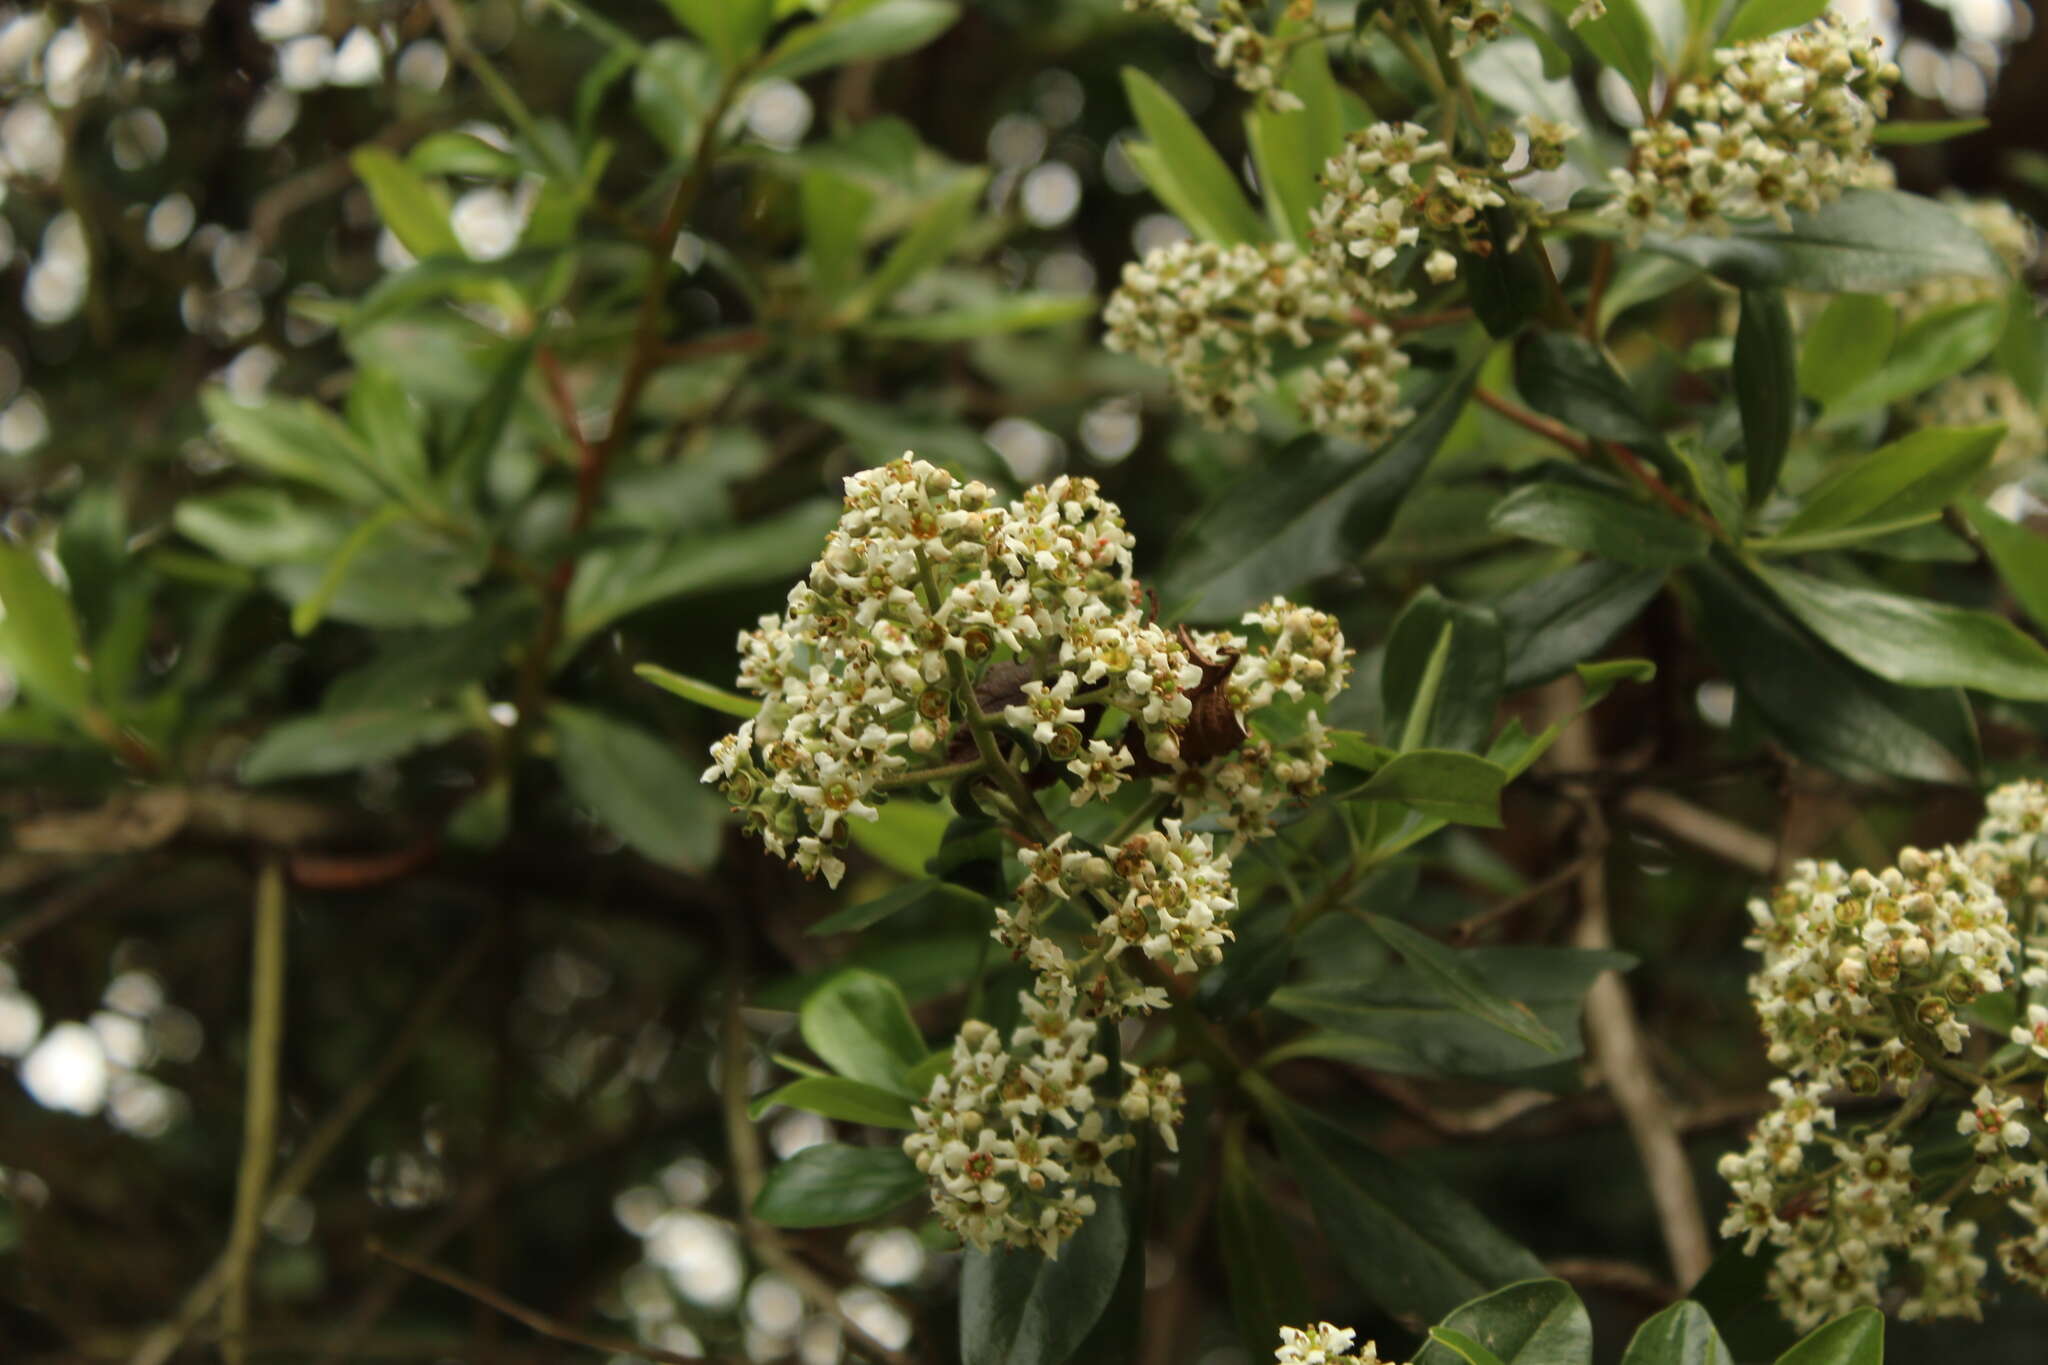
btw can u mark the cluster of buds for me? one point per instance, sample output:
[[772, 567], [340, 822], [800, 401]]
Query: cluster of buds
[[945, 635], [1013, 1139], [1255, 60], [1780, 123], [1220, 320], [1864, 985], [1325, 1344]]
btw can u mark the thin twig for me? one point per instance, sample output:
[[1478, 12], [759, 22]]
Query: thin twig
[[259, 1107], [520, 1313], [1703, 829], [1543, 426], [1465, 929]]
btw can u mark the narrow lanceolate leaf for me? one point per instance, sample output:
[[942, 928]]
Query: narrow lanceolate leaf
[[1682, 1334], [1899, 485], [1551, 624], [1868, 727], [1761, 18], [1567, 377], [411, 205], [1411, 1243], [702, 693], [1267, 1288], [930, 240], [2020, 554], [314, 746], [832, 1184], [1440, 678], [1915, 642], [1600, 523], [1915, 132], [1019, 1308], [1850, 339], [1866, 242], [638, 786], [1462, 986], [1290, 146], [1537, 1322], [859, 1024], [836, 1097], [1943, 343], [1442, 783], [295, 439], [848, 33], [1620, 38], [1766, 379], [1184, 170], [39, 639], [730, 28], [1857, 1339]]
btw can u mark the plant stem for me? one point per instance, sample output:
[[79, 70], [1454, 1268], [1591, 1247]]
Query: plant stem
[[259, 1106]]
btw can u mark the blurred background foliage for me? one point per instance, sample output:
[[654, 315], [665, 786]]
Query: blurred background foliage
[[315, 321]]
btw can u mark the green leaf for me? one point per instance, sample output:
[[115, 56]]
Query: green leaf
[[675, 87], [865, 914], [1622, 39], [1515, 751], [257, 525], [1554, 622], [1583, 518], [1766, 386], [905, 836], [1868, 726], [1184, 170], [316, 745], [1682, 1334], [39, 636], [930, 240], [1020, 1308], [857, 31], [835, 209], [1016, 313], [1289, 147], [638, 787], [1915, 132], [484, 423], [2020, 348], [294, 439], [615, 580], [308, 610], [393, 452], [731, 28], [1857, 1339], [1845, 344], [1866, 242], [702, 693], [836, 1097], [1267, 1288], [859, 1024], [416, 667], [1568, 377], [1462, 986], [832, 1184], [1456, 710], [1459, 787], [411, 205], [1538, 1322], [2020, 555], [453, 153], [1761, 18], [1404, 1022], [1408, 1241], [1943, 343], [406, 575], [1915, 642], [1319, 505], [1897, 486]]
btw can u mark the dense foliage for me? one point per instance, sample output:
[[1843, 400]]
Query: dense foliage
[[1388, 697]]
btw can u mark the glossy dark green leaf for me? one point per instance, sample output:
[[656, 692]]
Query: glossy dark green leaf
[[639, 787], [1682, 1334], [1620, 38], [1917, 132], [1845, 344], [1450, 785], [317, 745], [1464, 689], [1914, 641], [1869, 726], [1932, 348], [1289, 146], [1600, 523], [1891, 488], [1403, 1019], [1537, 1322], [1316, 507], [1267, 1288], [1463, 987], [416, 667], [1867, 242], [1506, 288], [454, 153], [92, 548], [858, 31], [1462, 1346], [2022, 350], [1184, 170], [2020, 554], [859, 1024], [1253, 968], [1567, 376], [865, 914], [1761, 18], [1409, 1242], [675, 86], [836, 1097], [1562, 618], [1766, 386], [1019, 1308], [39, 636], [1857, 1339], [832, 1184]]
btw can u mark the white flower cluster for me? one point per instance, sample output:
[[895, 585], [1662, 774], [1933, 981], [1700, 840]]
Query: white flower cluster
[[1253, 59], [1012, 1139], [1324, 1344], [1780, 123], [1481, 21], [1218, 319], [1863, 980]]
